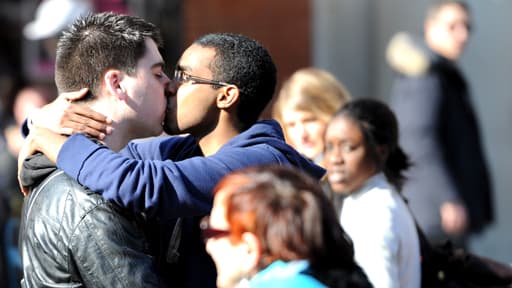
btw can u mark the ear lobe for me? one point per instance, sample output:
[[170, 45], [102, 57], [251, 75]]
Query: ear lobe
[[228, 97], [253, 249]]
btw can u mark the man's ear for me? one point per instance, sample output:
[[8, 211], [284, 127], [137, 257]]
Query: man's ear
[[113, 83], [228, 97]]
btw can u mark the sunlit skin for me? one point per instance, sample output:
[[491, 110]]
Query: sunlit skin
[[304, 131], [192, 104], [347, 160], [146, 101], [232, 260], [448, 32], [134, 101]]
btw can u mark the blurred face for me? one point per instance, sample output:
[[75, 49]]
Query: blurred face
[[146, 93], [304, 131], [448, 32], [347, 159], [192, 108], [230, 259]]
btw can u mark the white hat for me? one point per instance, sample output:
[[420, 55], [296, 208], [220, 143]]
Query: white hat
[[53, 16]]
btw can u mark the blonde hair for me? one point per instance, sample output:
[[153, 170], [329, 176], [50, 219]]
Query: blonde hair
[[312, 90]]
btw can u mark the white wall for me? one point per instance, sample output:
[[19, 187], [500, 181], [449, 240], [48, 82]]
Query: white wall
[[350, 37]]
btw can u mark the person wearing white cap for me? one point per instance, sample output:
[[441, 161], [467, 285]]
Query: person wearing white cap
[[52, 16]]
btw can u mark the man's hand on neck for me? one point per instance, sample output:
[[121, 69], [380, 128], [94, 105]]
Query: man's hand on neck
[[65, 117]]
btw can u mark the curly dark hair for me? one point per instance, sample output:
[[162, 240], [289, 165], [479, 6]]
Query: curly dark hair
[[243, 62]]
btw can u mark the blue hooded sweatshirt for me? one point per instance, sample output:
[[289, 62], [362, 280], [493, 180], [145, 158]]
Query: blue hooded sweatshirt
[[169, 177]]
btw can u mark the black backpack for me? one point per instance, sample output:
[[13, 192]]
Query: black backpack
[[444, 266]]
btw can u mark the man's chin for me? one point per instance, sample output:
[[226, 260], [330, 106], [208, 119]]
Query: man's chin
[[171, 130]]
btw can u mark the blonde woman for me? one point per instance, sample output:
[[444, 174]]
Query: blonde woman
[[305, 104]]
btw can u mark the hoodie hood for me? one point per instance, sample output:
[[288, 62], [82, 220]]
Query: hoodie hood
[[35, 169], [408, 55], [269, 132]]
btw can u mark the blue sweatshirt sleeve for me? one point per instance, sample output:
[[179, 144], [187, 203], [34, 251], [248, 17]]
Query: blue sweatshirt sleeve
[[164, 188]]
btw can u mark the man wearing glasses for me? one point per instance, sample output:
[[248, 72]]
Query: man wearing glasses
[[222, 84]]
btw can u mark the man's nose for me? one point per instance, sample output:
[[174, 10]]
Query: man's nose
[[172, 88]]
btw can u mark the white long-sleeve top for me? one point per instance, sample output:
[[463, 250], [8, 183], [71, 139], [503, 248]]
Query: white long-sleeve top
[[384, 234]]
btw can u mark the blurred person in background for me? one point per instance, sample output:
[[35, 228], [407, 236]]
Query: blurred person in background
[[7, 162], [50, 19], [305, 104], [448, 187], [26, 101], [272, 226], [365, 162]]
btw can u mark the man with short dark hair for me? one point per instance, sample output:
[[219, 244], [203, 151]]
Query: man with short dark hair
[[222, 83], [448, 186], [69, 235]]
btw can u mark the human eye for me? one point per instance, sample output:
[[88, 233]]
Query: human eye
[[159, 74], [310, 119], [289, 124], [328, 147], [348, 147]]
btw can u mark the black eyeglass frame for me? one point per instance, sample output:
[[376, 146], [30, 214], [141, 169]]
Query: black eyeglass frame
[[181, 77], [208, 232]]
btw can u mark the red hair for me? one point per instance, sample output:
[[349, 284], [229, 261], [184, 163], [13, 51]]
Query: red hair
[[288, 213]]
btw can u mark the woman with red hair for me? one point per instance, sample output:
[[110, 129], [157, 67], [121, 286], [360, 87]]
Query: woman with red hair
[[272, 226]]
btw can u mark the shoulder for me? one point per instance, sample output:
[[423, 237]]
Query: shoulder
[[285, 274], [291, 281], [377, 191], [59, 196], [377, 205], [303, 281]]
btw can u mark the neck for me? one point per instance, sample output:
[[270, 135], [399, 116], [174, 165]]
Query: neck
[[120, 136], [115, 142], [432, 46], [220, 135]]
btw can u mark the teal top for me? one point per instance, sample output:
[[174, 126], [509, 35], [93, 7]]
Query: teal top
[[282, 274]]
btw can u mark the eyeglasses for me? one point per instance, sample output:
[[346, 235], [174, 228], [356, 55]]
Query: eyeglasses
[[181, 77], [209, 232]]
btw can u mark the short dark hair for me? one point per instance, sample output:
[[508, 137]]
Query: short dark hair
[[379, 126], [436, 6], [96, 42], [243, 62]]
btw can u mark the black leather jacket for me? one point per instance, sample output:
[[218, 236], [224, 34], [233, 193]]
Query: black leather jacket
[[71, 237]]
